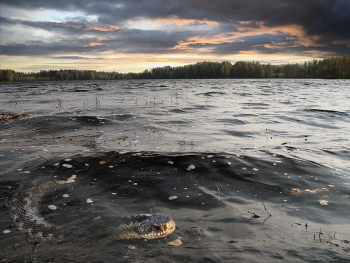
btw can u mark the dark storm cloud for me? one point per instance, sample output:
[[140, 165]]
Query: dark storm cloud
[[325, 23], [78, 38], [42, 49], [71, 27], [316, 16], [123, 41]]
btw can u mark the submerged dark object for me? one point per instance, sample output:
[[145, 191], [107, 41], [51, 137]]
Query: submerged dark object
[[26, 215]]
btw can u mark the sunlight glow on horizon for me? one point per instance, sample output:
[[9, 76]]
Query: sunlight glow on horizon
[[132, 64]]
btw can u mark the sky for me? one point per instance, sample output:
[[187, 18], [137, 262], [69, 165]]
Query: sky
[[134, 35]]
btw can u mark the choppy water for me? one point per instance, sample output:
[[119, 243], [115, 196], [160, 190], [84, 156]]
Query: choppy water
[[259, 148]]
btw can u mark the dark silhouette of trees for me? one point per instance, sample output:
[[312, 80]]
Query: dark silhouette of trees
[[7, 75], [58, 75], [335, 67]]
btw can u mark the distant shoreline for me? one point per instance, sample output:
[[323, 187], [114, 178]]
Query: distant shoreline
[[329, 68], [129, 79]]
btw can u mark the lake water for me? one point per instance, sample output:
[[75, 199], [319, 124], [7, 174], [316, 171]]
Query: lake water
[[271, 167]]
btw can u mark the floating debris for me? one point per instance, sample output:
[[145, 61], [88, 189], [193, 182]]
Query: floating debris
[[210, 156], [89, 201], [65, 195], [323, 202], [67, 160], [111, 166], [60, 182], [114, 193], [97, 217], [318, 190], [191, 167], [172, 197], [8, 116], [295, 190], [56, 164], [102, 162], [67, 165], [6, 231], [71, 179], [176, 242], [170, 162], [52, 207]]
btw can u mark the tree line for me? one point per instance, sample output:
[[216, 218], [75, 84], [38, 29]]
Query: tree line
[[335, 67], [56, 75]]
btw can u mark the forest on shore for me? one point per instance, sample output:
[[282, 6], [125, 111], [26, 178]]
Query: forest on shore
[[332, 68]]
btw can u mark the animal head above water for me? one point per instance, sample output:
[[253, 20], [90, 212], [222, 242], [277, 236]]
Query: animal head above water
[[154, 225]]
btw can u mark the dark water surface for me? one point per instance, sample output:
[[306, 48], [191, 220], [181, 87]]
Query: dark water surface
[[250, 161]]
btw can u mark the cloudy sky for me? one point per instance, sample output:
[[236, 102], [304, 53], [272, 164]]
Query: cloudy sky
[[133, 35]]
